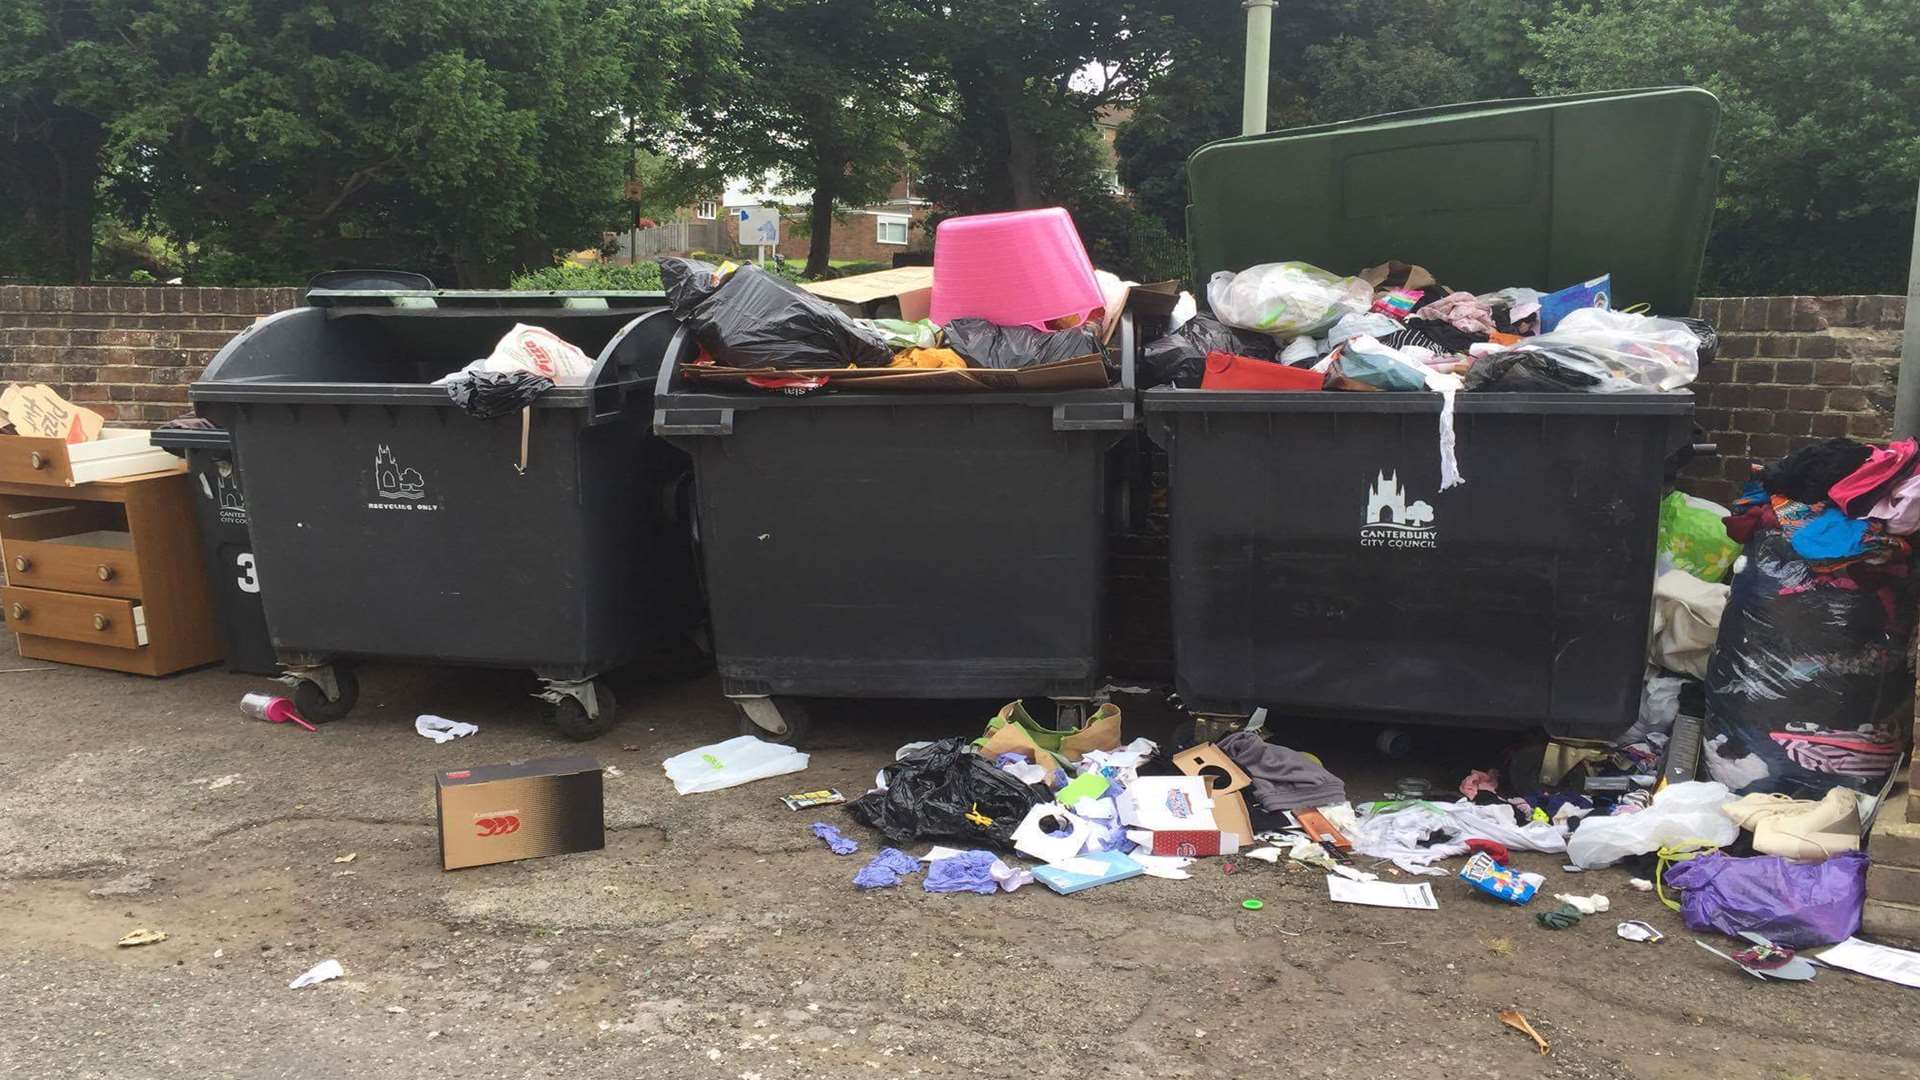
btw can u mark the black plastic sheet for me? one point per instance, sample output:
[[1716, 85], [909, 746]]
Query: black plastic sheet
[[487, 394], [986, 345], [1180, 358]]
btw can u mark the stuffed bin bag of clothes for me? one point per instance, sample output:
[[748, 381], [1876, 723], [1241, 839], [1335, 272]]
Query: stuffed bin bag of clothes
[[1619, 352], [1287, 298], [1789, 903], [1809, 685]]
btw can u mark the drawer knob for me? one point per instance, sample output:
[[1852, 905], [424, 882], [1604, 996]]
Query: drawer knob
[[106, 572], [101, 622], [37, 460], [21, 564], [18, 612]]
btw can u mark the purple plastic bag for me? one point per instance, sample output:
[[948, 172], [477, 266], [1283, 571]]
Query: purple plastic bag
[[1792, 904]]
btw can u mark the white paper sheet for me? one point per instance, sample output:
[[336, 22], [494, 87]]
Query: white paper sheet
[[1381, 893], [1879, 961]]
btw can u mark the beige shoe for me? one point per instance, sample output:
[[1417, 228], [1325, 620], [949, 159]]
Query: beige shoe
[[1821, 829], [1747, 810]]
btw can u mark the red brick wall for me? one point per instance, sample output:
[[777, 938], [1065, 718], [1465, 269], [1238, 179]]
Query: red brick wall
[[127, 352], [1792, 370]]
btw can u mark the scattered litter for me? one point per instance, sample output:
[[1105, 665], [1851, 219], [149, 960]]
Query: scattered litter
[[1352, 874], [613, 772], [736, 761], [1252, 905], [1639, 884], [1585, 905], [1008, 876], [1876, 961], [1635, 930], [1087, 871], [1265, 854], [272, 709], [1765, 960], [347, 858], [1171, 867], [442, 730], [836, 843], [886, 870], [318, 973], [966, 871], [805, 799], [1513, 1019], [1488, 876], [142, 936], [1564, 917], [1051, 833], [1381, 894]]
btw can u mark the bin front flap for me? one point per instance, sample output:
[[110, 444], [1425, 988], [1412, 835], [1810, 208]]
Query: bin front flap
[[1541, 192]]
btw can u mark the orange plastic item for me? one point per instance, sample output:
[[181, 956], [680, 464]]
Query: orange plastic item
[[1227, 371]]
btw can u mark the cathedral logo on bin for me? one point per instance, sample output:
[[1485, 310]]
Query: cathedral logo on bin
[[401, 488], [1391, 521]]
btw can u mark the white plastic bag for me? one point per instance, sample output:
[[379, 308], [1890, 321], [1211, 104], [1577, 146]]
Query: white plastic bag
[[728, 764], [1628, 353], [1286, 298], [1683, 813], [541, 351]]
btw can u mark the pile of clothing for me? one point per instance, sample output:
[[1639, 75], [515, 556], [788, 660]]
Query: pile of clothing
[[1810, 685]]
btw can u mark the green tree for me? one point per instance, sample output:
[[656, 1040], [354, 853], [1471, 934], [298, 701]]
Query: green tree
[[799, 112], [1820, 126], [59, 87]]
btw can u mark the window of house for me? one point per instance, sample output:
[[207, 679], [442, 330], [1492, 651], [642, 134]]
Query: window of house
[[892, 228], [707, 210]]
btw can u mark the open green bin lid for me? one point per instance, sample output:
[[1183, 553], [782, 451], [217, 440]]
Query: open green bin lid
[[1539, 192]]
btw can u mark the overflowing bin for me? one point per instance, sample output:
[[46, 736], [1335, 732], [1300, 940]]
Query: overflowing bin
[[1317, 566], [387, 522], [947, 544]]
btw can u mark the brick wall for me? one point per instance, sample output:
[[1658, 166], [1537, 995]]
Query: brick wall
[[127, 352], [1792, 370]]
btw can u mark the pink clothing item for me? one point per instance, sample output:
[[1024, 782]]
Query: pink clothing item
[[1463, 310], [1480, 780], [1855, 494], [1900, 508]]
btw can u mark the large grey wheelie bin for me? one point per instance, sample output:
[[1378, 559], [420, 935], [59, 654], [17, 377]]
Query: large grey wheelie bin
[[1317, 567], [387, 522]]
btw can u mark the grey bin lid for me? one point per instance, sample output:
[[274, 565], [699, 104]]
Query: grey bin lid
[[1540, 192]]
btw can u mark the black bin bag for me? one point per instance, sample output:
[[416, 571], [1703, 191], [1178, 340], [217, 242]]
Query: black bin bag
[[757, 320], [1810, 686], [1180, 358], [947, 791]]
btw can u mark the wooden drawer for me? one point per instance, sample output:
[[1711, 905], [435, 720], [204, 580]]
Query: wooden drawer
[[117, 452], [98, 564], [100, 620]]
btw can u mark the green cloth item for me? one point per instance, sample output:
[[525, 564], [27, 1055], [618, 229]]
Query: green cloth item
[[1560, 918], [1088, 785]]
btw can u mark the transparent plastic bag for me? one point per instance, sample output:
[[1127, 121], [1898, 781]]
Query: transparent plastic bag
[[1624, 352], [731, 763], [1287, 299], [1682, 813]]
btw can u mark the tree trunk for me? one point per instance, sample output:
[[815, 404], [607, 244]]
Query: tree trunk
[[820, 221], [1023, 160], [73, 152]]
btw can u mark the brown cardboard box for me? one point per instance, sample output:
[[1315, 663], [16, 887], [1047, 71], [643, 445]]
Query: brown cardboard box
[[500, 813], [1225, 779], [909, 288]]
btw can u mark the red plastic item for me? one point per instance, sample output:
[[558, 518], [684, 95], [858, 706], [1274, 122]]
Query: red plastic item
[[1495, 850], [1227, 371]]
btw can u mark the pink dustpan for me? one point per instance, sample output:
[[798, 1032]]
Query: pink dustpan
[[1026, 267]]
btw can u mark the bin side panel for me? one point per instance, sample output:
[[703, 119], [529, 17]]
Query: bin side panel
[[921, 552], [1318, 567], [407, 532]]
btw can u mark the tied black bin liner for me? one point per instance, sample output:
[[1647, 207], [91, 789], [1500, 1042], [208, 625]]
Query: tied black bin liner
[[1809, 686], [1180, 358], [931, 793], [487, 394], [984, 345], [756, 320]]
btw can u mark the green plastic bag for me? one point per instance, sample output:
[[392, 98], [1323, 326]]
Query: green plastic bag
[[1693, 535]]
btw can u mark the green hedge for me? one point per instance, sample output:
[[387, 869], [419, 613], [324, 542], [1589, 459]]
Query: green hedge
[[599, 277]]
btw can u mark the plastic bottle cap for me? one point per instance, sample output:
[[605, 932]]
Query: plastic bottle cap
[[1252, 905]]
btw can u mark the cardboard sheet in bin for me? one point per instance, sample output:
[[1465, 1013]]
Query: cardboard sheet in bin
[[861, 294], [1081, 373]]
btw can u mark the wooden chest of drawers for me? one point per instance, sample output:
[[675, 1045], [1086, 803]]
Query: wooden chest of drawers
[[106, 574]]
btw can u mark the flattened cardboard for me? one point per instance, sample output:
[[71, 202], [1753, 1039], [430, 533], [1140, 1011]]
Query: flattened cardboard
[[40, 412], [1196, 760], [860, 294], [1080, 373], [504, 813]]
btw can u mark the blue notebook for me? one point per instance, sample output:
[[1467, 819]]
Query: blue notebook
[[1065, 881]]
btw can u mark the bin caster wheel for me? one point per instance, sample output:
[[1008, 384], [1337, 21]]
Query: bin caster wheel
[[570, 717], [311, 702], [787, 712]]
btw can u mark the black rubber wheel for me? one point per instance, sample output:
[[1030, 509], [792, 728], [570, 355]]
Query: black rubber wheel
[[792, 711], [571, 719], [311, 702]]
